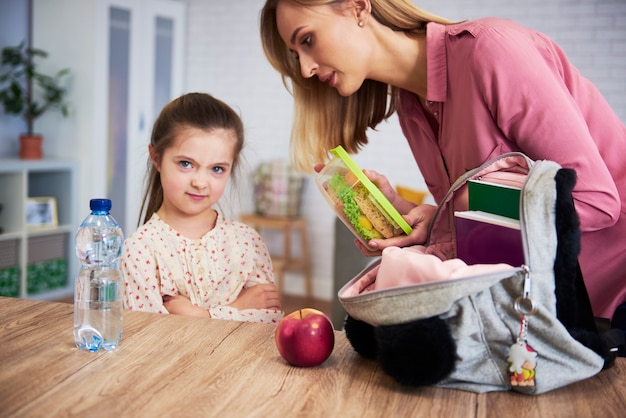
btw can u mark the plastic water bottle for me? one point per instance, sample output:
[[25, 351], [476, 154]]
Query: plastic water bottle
[[99, 286]]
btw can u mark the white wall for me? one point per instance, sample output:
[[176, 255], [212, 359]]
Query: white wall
[[225, 59]]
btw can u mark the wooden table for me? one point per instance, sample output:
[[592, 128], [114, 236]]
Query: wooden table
[[175, 366]]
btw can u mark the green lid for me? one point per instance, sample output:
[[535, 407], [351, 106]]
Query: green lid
[[379, 197]]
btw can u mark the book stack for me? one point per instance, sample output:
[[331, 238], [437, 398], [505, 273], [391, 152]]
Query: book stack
[[489, 232]]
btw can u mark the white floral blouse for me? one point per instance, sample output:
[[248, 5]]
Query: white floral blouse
[[210, 271]]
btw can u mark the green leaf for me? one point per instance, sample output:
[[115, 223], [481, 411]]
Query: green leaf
[[19, 70]]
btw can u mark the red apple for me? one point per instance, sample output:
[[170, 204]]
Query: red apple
[[305, 337]]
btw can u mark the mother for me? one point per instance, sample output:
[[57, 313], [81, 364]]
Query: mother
[[464, 93]]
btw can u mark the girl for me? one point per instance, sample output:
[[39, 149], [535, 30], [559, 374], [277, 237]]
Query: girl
[[187, 258], [464, 93]]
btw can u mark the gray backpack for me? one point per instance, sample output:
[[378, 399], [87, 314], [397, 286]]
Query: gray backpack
[[528, 328]]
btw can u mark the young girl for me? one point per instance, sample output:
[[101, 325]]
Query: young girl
[[187, 258], [464, 93]]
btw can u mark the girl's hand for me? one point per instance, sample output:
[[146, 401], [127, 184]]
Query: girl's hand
[[181, 305], [260, 296], [419, 218]]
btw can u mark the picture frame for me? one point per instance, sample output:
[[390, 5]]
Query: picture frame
[[41, 212]]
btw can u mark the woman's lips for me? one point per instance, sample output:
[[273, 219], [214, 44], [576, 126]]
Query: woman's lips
[[331, 81], [329, 78]]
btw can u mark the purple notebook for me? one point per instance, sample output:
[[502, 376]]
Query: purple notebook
[[485, 238]]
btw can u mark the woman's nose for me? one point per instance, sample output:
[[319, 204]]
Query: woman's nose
[[307, 66]]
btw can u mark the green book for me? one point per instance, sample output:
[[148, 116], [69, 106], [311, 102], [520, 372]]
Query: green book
[[494, 198]]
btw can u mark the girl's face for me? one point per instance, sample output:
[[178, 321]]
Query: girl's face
[[327, 42], [195, 170]]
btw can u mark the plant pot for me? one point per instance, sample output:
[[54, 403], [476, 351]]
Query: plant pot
[[30, 147]]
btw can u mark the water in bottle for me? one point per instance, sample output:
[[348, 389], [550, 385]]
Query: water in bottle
[[99, 285]]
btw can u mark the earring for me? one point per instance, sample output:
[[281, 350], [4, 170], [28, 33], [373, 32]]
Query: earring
[[361, 23]]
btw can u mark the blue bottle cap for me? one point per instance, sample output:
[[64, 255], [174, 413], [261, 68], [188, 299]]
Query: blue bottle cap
[[100, 205]]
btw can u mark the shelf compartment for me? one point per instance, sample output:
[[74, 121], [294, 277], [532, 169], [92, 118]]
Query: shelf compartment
[[42, 264], [47, 263], [10, 268]]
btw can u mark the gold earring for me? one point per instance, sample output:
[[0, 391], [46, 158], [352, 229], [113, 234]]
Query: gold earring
[[361, 23]]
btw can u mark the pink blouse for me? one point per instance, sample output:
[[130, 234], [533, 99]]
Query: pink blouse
[[494, 87], [210, 271]]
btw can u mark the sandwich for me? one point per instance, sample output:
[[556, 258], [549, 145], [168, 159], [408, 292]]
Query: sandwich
[[362, 213]]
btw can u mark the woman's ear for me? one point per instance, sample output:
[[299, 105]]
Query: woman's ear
[[362, 10], [154, 157]]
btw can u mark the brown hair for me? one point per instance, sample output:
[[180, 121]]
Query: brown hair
[[191, 110], [323, 119]]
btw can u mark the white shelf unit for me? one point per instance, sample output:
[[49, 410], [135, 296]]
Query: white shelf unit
[[31, 259]]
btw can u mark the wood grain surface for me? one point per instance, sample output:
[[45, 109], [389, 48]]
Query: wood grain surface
[[174, 366]]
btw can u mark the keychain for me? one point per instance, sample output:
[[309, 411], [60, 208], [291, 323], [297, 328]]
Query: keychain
[[522, 357]]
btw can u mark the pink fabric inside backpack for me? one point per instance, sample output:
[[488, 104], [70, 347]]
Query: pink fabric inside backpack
[[411, 265]]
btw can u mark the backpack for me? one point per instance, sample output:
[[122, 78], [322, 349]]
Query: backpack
[[485, 328]]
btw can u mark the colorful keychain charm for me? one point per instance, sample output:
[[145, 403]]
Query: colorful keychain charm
[[522, 363], [522, 358]]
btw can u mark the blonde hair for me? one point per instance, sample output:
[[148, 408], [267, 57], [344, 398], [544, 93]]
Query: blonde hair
[[323, 119]]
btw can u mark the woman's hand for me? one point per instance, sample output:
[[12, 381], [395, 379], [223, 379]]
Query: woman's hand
[[401, 204], [260, 296], [419, 218]]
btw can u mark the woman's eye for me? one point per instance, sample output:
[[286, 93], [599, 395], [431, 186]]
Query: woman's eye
[[185, 164], [306, 40], [218, 169]]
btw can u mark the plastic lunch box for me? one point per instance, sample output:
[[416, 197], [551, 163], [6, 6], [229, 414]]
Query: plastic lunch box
[[357, 201]]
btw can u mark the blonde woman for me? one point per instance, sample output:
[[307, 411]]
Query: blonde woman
[[463, 92]]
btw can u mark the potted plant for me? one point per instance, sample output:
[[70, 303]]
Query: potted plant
[[26, 92]]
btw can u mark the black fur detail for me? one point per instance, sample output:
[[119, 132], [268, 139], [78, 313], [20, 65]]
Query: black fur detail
[[361, 336], [573, 307], [417, 353], [572, 300]]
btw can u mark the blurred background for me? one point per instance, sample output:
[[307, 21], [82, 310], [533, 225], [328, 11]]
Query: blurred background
[[129, 57]]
